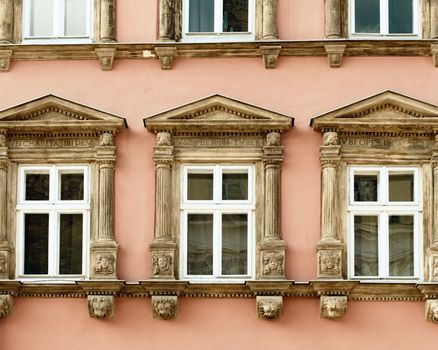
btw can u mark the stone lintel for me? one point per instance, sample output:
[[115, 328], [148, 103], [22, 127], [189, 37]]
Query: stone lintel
[[155, 287], [335, 54], [270, 55], [333, 287], [166, 56], [429, 290], [270, 287], [5, 60], [106, 57], [101, 287]]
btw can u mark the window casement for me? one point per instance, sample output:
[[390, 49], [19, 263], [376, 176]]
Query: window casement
[[224, 20], [53, 213], [384, 222], [217, 219]]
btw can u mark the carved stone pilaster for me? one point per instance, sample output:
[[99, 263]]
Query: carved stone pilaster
[[434, 53], [333, 307], [270, 55], [107, 33], [167, 20], [6, 304], [101, 306], [106, 200], [333, 21], [164, 307], [269, 307], [5, 60], [106, 58], [6, 21], [166, 56], [270, 17], [433, 19], [5, 249], [335, 54]]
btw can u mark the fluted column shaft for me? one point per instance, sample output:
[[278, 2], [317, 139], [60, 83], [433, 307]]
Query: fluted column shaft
[[6, 21], [167, 20], [163, 197], [435, 204], [108, 21], [106, 200], [434, 19], [272, 200], [270, 28], [328, 229], [333, 18], [3, 201]]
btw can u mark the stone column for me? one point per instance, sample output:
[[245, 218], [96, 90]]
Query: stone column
[[434, 19], [163, 248], [329, 248], [106, 200], [5, 249], [167, 20], [333, 21], [433, 250], [269, 28], [108, 21], [6, 21], [272, 200]]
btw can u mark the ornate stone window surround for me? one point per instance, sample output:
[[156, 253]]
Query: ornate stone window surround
[[218, 130], [387, 129], [339, 15], [13, 29], [171, 21], [55, 131]]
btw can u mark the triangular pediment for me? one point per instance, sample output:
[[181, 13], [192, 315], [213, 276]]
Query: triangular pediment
[[218, 114], [384, 112], [51, 113]]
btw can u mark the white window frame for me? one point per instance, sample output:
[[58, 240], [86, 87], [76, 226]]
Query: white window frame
[[58, 26], [217, 207], [218, 34], [54, 207], [383, 208], [384, 23]]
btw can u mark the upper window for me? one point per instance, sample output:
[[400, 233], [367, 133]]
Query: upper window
[[385, 214], [384, 17], [52, 220], [217, 214], [227, 20], [57, 20]]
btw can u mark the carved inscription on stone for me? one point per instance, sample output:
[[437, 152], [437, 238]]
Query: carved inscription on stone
[[269, 308], [432, 310], [162, 264], [386, 143], [52, 143], [273, 264], [104, 264], [330, 263], [101, 306], [6, 302], [164, 307], [333, 308], [217, 142]]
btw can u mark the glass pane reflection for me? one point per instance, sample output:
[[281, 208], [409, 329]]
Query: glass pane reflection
[[70, 245], [365, 188], [401, 245], [366, 246], [234, 244], [235, 16], [367, 16], [200, 244]]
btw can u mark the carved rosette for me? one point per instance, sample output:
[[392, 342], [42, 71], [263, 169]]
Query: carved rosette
[[6, 304], [101, 306], [164, 307], [269, 307], [107, 21], [6, 21], [333, 307]]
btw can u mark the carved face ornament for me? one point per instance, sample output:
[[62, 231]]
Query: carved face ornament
[[333, 308], [101, 307], [165, 309]]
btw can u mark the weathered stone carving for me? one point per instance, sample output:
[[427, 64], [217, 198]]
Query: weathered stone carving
[[269, 307], [434, 52], [106, 58], [101, 306], [164, 307], [330, 263], [330, 138], [273, 139], [432, 310], [167, 20], [6, 21], [333, 307], [2, 140], [270, 55], [162, 264], [273, 263], [106, 139], [333, 19], [164, 139], [104, 264], [433, 20], [5, 60], [3, 265], [269, 20], [166, 55], [335, 54], [434, 268], [107, 21], [6, 303]]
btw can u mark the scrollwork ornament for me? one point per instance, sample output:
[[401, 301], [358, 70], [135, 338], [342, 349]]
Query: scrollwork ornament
[[164, 307], [333, 307], [269, 308], [101, 306]]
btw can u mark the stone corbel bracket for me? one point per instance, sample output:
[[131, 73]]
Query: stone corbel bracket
[[270, 55], [5, 60], [106, 57], [8, 290], [269, 297], [269, 307], [334, 54], [100, 297], [333, 297], [434, 53], [166, 55]]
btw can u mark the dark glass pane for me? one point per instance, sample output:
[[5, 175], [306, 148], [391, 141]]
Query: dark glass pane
[[36, 243], [200, 244], [234, 186], [401, 187], [235, 16], [201, 16], [366, 262], [400, 17], [234, 244], [200, 187], [365, 188], [37, 187], [367, 16], [72, 187], [401, 245], [70, 244]]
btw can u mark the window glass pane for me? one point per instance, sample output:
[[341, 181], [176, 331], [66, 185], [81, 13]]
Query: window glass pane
[[199, 186], [200, 244], [37, 187], [366, 246], [234, 186], [367, 16], [76, 17], [41, 17], [401, 245], [201, 16], [235, 16], [365, 188], [70, 244], [72, 187], [36, 243], [234, 244], [401, 16], [401, 187]]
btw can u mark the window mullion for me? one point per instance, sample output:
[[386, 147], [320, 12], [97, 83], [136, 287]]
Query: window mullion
[[383, 194], [218, 14], [383, 248], [217, 243], [53, 240], [384, 17]]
